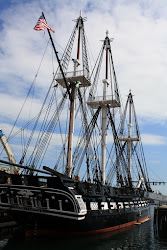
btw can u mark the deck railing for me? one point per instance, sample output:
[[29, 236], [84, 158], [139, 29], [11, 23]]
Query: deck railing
[[71, 74]]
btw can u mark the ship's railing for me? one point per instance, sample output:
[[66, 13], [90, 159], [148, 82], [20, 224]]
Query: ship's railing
[[101, 98], [94, 206], [71, 74]]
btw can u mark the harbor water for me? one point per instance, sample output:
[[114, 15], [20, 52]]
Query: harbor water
[[134, 237]]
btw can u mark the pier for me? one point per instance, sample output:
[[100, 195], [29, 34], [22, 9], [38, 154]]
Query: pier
[[160, 219]]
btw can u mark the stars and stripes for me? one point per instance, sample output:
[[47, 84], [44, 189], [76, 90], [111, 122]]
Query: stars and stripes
[[41, 25]]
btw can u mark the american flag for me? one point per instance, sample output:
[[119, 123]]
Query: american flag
[[41, 25]]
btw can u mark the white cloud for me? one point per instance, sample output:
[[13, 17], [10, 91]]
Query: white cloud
[[151, 139], [139, 49]]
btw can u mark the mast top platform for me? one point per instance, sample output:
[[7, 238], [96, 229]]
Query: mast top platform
[[102, 101], [75, 76], [106, 100], [95, 102], [80, 76]]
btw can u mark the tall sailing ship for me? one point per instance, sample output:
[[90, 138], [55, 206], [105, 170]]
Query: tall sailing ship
[[98, 183]]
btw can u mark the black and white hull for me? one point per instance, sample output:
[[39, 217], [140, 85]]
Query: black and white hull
[[62, 209]]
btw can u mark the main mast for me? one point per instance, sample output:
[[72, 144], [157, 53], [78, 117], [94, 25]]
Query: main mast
[[104, 112], [111, 101]]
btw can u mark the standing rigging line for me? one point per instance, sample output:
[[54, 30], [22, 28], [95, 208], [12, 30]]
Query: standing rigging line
[[115, 78], [43, 145], [31, 121], [116, 166], [67, 86], [92, 155], [85, 56], [87, 41], [35, 125], [56, 53], [94, 84], [140, 142], [143, 174], [118, 148], [86, 139], [43, 128], [89, 150], [32, 84]]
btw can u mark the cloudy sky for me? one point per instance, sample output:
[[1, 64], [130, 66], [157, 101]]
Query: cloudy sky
[[139, 51]]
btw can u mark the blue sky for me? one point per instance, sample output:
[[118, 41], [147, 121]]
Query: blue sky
[[139, 50]]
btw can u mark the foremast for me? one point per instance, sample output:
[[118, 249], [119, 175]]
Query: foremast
[[74, 86], [71, 122], [75, 80]]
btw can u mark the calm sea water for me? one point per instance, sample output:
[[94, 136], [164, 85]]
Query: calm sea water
[[135, 237]]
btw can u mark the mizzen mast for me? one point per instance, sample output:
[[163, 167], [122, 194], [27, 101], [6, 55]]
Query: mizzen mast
[[129, 139]]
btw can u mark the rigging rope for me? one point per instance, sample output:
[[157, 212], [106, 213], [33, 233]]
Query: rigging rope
[[44, 142], [32, 84], [86, 139]]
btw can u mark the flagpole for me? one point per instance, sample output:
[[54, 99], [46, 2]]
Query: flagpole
[[56, 53]]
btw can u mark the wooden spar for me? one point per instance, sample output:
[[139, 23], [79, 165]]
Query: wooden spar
[[56, 53], [129, 136], [106, 63], [79, 36], [24, 167], [72, 107], [104, 114], [70, 133]]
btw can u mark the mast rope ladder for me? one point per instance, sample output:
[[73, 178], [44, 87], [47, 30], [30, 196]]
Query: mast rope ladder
[[118, 147], [89, 153], [84, 54], [49, 132], [92, 91], [84, 142], [116, 167], [115, 79], [67, 53]]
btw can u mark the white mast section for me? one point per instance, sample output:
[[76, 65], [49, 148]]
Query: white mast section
[[104, 102], [8, 151], [104, 114], [129, 136], [76, 80], [104, 133]]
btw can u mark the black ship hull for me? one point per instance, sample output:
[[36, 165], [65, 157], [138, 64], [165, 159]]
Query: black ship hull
[[96, 223], [61, 205]]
